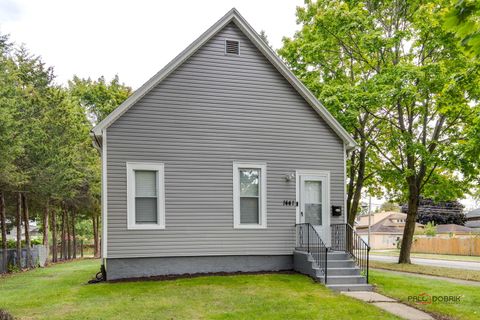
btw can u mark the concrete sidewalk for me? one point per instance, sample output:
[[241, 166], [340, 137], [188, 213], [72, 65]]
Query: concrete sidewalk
[[466, 265], [390, 305]]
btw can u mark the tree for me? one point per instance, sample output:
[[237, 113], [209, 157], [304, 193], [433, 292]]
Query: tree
[[6, 134], [340, 48], [425, 111], [396, 80], [46, 227], [18, 223], [46, 148], [99, 98], [443, 212], [430, 229], [264, 37], [390, 206], [26, 222], [53, 222], [10, 141], [463, 19], [3, 226], [34, 81]]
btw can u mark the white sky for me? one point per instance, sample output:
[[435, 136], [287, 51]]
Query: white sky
[[133, 39]]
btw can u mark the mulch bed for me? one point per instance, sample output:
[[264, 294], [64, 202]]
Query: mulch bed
[[195, 275]]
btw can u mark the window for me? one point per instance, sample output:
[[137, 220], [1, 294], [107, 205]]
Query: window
[[145, 196], [249, 195]]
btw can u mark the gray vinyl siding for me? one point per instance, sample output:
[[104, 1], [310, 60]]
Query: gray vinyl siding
[[211, 111]]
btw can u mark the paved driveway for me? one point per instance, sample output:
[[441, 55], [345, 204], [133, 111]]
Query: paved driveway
[[466, 265]]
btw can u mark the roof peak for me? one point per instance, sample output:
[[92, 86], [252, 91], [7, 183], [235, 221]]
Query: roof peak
[[235, 16]]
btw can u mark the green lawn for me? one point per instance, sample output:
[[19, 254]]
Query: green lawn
[[472, 275], [401, 286], [60, 292], [395, 253]]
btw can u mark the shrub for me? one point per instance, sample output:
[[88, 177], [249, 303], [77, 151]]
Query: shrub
[[12, 268], [4, 315], [431, 229], [12, 244]]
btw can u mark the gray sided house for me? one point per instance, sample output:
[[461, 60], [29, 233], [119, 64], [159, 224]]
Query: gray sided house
[[224, 162]]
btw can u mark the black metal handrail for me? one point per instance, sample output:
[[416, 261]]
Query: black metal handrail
[[345, 238], [309, 240]]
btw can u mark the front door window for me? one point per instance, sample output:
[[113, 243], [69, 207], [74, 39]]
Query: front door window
[[313, 202]]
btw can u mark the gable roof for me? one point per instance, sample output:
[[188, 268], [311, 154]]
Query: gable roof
[[232, 16], [389, 224], [473, 213], [454, 228]]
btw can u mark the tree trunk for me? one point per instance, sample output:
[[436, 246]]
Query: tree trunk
[[63, 245], [54, 237], [69, 235], [74, 236], [357, 194], [45, 228], [351, 183], [18, 221], [3, 225], [26, 222], [413, 201]]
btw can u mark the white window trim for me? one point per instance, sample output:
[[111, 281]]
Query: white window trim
[[159, 167], [262, 196]]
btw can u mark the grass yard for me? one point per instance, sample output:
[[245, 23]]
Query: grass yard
[[401, 286], [472, 275], [60, 292], [395, 253]]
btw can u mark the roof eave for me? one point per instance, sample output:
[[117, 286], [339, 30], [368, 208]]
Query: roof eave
[[97, 141]]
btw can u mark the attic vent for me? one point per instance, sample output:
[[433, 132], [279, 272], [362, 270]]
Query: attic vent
[[232, 47]]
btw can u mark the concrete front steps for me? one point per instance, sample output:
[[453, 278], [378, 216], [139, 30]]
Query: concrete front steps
[[342, 273]]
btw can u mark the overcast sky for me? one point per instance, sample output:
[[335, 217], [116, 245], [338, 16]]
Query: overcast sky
[[134, 38]]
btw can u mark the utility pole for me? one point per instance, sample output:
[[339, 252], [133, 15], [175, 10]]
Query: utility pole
[[369, 216]]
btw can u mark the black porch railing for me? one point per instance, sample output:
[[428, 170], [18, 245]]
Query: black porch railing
[[308, 240], [344, 238]]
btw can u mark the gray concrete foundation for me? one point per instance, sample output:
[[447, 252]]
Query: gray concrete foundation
[[125, 268]]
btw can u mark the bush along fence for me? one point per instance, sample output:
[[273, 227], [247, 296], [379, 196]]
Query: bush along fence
[[38, 258]]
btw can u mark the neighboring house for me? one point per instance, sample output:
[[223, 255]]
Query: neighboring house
[[363, 220], [473, 219], [455, 229], [33, 228], [386, 229], [204, 165]]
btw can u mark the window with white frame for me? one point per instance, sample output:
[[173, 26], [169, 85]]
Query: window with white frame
[[249, 195], [145, 196]]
